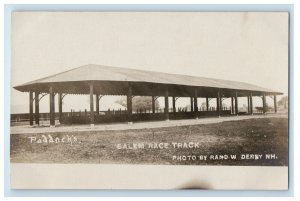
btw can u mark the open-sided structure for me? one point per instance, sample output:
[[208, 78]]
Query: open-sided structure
[[98, 80]]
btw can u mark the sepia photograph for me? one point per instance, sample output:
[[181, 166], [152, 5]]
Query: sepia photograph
[[107, 100]]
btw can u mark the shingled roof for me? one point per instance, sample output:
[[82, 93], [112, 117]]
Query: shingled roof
[[94, 72]]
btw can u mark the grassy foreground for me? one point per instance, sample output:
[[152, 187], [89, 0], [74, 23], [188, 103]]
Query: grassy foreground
[[215, 141]]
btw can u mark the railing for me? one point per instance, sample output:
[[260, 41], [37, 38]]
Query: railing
[[83, 117]]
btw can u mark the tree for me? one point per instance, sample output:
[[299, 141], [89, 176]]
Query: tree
[[283, 102], [138, 103]]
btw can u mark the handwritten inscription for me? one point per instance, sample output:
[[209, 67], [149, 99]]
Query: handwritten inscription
[[161, 145], [49, 139]]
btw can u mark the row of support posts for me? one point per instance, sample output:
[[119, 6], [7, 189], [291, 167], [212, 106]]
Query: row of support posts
[[194, 104]]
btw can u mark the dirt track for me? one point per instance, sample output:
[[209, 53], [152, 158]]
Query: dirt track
[[249, 136]]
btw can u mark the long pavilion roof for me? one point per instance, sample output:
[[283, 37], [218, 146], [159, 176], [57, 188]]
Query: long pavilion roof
[[107, 74]]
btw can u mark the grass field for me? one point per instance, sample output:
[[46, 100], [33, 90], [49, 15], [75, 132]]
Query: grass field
[[251, 136]]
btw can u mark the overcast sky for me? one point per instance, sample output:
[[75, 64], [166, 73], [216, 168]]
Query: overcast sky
[[247, 47]]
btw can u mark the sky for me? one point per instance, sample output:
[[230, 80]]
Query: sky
[[250, 47]]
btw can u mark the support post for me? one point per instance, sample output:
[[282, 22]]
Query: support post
[[153, 104], [264, 103], [248, 104], [30, 108], [196, 103], [37, 108], [60, 107], [218, 103], [236, 104], [129, 105], [174, 104], [221, 105], [275, 104], [92, 120], [52, 107], [251, 104], [207, 104], [192, 109], [97, 104], [167, 104], [232, 105]]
